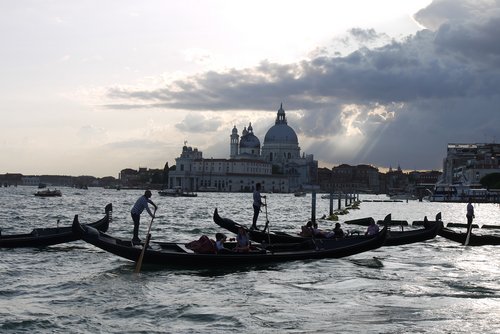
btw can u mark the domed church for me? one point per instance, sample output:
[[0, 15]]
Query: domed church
[[280, 143], [281, 149], [277, 165]]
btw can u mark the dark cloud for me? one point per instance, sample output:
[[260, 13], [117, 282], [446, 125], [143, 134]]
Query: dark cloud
[[399, 103]]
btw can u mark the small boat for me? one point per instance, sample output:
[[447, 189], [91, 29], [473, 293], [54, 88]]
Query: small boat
[[49, 193], [338, 196], [394, 238], [430, 230], [176, 192], [177, 254], [474, 240], [360, 221], [462, 192], [300, 194], [41, 237]]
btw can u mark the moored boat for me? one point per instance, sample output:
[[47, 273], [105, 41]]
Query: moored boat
[[474, 239], [360, 221], [462, 192], [177, 254], [176, 192], [430, 230], [49, 193], [42, 237]]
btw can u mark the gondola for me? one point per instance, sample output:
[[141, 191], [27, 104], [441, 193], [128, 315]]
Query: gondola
[[394, 238], [360, 221], [430, 230], [177, 254], [42, 237], [474, 240]]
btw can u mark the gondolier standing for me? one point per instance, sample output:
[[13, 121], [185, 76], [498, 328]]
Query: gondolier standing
[[139, 206], [257, 203], [470, 214]]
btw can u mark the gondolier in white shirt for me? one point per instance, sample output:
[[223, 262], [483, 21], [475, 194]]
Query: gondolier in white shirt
[[139, 206]]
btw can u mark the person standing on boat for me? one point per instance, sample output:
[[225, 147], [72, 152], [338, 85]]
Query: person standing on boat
[[139, 206], [470, 214], [257, 203]]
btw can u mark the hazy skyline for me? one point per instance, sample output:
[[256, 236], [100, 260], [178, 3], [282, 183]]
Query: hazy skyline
[[90, 88]]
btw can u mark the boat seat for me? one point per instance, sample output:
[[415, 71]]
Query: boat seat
[[185, 249]]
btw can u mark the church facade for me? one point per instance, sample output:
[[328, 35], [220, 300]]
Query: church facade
[[277, 165]]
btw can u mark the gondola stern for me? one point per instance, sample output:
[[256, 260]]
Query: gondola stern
[[76, 227]]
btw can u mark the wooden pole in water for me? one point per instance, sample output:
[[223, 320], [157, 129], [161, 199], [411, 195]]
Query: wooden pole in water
[[313, 204], [331, 203]]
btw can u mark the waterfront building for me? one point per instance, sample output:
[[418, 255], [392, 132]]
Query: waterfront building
[[346, 179], [278, 165], [468, 163]]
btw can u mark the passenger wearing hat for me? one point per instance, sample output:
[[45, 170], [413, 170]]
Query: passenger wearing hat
[[137, 209]]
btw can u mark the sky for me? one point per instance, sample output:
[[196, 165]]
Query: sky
[[93, 87]]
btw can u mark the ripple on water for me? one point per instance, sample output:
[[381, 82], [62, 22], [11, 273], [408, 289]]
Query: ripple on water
[[432, 287]]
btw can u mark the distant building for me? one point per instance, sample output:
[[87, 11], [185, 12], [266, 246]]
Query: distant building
[[346, 179], [468, 163], [278, 165]]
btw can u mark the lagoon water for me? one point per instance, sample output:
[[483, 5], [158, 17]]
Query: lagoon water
[[432, 287]]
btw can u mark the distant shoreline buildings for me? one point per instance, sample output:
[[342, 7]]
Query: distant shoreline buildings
[[279, 166]]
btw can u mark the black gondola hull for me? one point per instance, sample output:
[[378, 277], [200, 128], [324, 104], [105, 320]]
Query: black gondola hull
[[42, 237], [394, 238], [474, 240], [175, 254]]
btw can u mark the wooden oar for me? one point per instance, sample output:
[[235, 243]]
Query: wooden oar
[[469, 230], [267, 222], [146, 243]]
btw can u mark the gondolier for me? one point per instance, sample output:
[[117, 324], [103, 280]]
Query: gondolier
[[139, 206], [470, 213], [257, 203]]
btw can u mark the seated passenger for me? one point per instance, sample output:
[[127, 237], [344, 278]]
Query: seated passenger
[[220, 238], [320, 233], [306, 230], [427, 223], [372, 228], [339, 233], [242, 241]]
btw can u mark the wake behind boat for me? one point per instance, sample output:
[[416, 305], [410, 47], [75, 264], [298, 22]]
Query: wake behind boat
[[42, 237], [177, 254]]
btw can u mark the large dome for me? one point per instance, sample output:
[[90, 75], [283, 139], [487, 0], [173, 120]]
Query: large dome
[[280, 132]]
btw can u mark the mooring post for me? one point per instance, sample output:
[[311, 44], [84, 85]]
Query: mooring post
[[331, 203], [313, 204]]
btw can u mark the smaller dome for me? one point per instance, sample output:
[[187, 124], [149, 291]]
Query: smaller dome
[[249, 141]]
